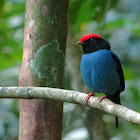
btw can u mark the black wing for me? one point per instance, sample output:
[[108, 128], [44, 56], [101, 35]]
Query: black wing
[[120, 71]]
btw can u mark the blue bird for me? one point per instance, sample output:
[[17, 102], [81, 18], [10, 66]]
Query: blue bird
[[101, 69]]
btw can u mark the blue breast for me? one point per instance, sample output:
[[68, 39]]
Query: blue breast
[[98, 70]]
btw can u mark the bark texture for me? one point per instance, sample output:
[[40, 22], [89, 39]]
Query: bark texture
[[43, 65]]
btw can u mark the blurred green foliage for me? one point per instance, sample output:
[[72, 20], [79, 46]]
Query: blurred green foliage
[[121, 27], [2, 7], [11, 32], [83, 12]]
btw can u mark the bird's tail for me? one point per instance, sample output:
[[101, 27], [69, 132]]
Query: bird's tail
[[116, 99], [117, 124]]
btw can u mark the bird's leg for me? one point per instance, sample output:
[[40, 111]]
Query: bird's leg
[[101, 98], [88, 96]]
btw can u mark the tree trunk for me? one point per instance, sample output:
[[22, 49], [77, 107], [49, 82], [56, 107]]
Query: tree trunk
[[43, 65]]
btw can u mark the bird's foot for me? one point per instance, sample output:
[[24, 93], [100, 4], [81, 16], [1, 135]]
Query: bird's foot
[[101, 98], [88, 96]]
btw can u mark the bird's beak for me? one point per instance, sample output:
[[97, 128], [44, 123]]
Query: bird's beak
[[80, 42]]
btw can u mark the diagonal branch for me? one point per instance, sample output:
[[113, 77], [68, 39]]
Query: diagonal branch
[[103, 19], [70, 96]]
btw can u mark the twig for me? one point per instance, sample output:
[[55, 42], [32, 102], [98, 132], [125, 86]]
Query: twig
[[104, 14]]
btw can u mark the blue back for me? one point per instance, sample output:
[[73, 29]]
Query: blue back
[[99, 72]]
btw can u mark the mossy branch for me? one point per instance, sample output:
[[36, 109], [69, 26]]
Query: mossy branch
[[72, 97]]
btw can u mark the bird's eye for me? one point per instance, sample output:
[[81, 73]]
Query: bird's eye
[[92, 39]]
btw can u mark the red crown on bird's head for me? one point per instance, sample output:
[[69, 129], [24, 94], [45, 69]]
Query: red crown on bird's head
[[88, 36]]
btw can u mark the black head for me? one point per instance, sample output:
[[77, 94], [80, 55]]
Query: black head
[[92, 43]]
